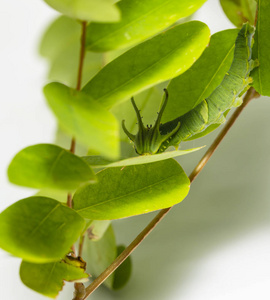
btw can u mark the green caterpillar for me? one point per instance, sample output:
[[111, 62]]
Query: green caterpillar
[[156, 139]]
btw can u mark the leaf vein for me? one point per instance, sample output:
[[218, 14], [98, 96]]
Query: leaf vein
[[61, 153], [128, 194], [44, 219], [140, 73]]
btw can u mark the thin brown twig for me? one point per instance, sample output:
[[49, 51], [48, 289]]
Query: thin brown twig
[[69, 196], [81, 245], [72, 145], [78, 87], [251, 94], [82, 55], [79, 289]]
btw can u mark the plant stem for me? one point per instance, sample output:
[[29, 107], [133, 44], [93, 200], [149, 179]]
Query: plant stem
[[78, 87], [79, 289], [251, 94], [81, 244], [72, 145], [82, 55]]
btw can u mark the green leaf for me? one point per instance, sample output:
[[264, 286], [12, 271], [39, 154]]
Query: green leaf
[[95, 161], [122, 273], [48, 279], [101, 254], [84, 118], [159, 59], [239, 11], [140, 20], [249, 8], [58, 195], [49, 166], [60, 44], [197, 83], [261, 75], [87, 10], [39, 229], [133, 190]]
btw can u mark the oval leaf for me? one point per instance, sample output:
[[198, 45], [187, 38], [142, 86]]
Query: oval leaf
[[140, 20], [48, 279], [49, 166], [87, 10], [133, 190], [39, 229], [95, 161], [206, 74], [159, 59], [239, 11], [261, 75], [84, 118]]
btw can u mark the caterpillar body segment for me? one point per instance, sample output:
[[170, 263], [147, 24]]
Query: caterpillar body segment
[[156, 139], [224, 97]]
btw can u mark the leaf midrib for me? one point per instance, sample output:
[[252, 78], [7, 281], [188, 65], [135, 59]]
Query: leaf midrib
[[128, 194], [44, 219], [112, 91]]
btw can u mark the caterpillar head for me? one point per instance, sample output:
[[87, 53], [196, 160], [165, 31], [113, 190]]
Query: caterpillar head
[[148, 140]]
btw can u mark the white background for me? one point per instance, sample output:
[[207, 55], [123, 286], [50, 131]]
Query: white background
[[215, 245]]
